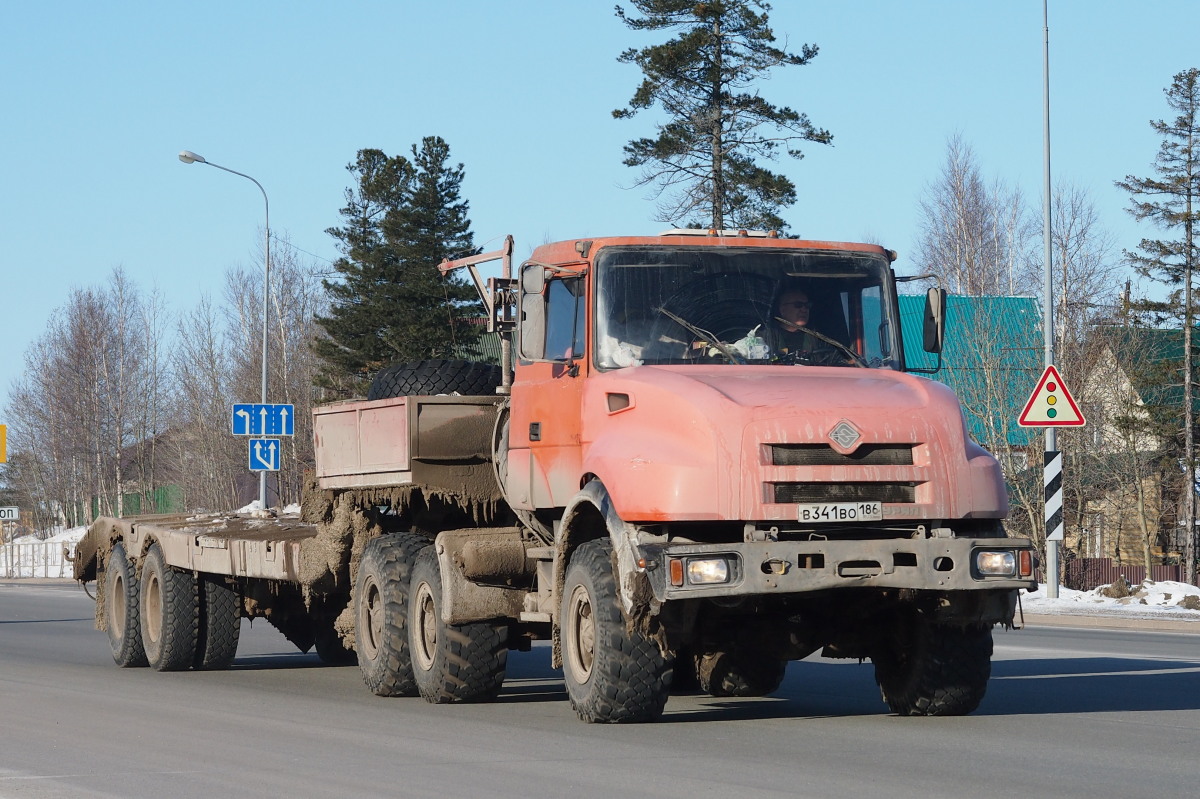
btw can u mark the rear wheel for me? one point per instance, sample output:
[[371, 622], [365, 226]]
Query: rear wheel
[[740, 672], [170, 614], [935, 670], [612, 675], [381, 613], [220, 623], [121, 601], [451, 663]]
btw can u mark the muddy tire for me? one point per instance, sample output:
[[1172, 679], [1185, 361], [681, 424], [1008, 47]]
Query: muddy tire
[[381, 613], [741, 673], [170, 614], [220, 624], [936, 671], [612, 675], [422, 378], [451, 663], [121, 603]]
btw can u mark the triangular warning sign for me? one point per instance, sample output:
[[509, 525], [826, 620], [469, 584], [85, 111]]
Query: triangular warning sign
[[1051, 404]]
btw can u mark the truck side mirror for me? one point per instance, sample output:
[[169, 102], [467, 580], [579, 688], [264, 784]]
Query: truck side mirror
[[531, 343], [533, 279], [935, 320]]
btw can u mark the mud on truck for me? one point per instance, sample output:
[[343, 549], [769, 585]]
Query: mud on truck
[[668, 479]]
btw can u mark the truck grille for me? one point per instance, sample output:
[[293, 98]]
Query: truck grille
[[843, 492], [825, 455]]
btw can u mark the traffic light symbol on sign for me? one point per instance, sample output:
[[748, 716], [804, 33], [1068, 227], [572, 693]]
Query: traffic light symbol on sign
[[1051, 404]]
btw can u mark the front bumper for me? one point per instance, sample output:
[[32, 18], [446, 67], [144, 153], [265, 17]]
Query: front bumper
[[775, 568]]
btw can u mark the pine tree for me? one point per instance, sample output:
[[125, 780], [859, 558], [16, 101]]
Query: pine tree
[[705, 157], [1170, 201], [401, 218]]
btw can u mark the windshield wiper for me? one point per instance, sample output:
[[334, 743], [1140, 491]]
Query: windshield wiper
[[854, 356], [705, 336]]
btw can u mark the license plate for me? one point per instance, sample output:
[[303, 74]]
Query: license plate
[[842, 512]]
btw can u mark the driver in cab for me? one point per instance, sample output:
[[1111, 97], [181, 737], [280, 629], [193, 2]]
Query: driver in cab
[[793, 311]]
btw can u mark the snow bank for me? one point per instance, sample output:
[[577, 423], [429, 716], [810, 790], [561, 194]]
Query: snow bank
[[1163, 598], [30, 556]]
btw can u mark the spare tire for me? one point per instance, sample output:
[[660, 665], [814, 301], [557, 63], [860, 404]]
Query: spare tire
[[423, 378]]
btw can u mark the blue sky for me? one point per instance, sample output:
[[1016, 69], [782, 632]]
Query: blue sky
[[99, 98]]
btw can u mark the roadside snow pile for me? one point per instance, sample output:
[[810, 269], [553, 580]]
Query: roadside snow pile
[[293, 509], [1160, 598], [30, 556]]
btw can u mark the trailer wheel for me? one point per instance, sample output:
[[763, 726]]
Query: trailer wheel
[[220, 624], [170, 614], [421, 378], [331, 649], [741, 672], [935, 670], [121, 602], [612, 675], [381, 613], [451, 663]]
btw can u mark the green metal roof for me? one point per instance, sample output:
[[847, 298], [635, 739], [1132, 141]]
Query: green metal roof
[[992, 359]]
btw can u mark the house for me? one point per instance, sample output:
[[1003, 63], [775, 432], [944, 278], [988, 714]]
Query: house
[[1133, 399]]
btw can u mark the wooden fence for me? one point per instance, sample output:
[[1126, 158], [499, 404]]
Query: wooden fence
[[1084, 574]]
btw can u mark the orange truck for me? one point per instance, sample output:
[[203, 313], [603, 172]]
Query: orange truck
[[702, 456]]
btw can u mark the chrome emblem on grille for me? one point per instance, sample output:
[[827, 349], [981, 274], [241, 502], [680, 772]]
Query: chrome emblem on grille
[[844, 435]]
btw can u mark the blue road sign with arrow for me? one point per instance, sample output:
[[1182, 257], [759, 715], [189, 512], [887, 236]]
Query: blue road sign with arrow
[[264, 454], [251, 419]]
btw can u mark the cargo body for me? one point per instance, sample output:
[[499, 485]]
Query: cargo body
[[673, 480]]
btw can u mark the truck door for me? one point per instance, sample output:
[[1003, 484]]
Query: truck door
[[545, 454]]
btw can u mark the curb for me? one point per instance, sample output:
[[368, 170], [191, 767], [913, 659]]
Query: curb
[[1113, 622]]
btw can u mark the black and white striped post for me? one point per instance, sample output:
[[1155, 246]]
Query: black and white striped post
[[1052, 480]]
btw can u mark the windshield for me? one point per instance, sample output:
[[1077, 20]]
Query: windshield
[[668, 305]]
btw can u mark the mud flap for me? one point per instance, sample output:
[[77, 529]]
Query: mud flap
[[638, 604], [459, 552]]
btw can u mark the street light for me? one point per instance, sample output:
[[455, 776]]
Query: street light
[[188, 157]]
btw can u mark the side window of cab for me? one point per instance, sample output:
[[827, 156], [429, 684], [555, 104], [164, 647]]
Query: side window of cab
[[566, 315]]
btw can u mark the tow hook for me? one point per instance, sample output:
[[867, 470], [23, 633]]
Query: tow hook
[[776, 566]]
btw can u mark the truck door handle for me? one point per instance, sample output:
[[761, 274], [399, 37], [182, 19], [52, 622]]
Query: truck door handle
[[535, 431]]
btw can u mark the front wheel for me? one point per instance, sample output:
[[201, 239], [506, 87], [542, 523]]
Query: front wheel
[[612, 675], [935, 670]]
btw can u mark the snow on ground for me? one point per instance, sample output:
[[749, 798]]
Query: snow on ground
[[1157, 599], [254, 505], [30, 556]]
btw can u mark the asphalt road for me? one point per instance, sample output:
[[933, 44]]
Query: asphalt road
[[1069, 712]]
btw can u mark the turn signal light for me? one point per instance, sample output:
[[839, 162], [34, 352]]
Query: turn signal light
[[676, 572], [1026, 559]]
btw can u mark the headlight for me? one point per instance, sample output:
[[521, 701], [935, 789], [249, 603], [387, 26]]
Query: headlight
[[706, 571], [996, 564]]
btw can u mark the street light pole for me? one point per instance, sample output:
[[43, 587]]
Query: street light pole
[[188, 157]]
